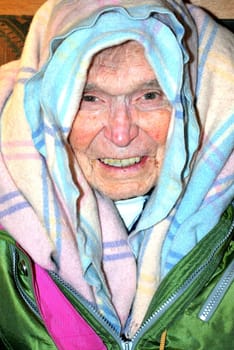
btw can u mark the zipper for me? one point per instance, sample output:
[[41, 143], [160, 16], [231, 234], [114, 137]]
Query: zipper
[[93, 311], [122, 343], [217, 294], [131, 344], [29, 302], [174, 297], [127, 345]]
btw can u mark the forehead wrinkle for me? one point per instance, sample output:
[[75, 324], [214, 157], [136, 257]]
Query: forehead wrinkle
[[113, 64], [112, 57]]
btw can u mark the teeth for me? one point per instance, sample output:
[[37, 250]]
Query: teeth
[[120, 162]]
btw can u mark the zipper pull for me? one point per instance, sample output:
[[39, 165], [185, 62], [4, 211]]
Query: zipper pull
[[126, 345]]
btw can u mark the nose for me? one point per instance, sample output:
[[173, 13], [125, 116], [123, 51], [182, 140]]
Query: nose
[[121, 126]]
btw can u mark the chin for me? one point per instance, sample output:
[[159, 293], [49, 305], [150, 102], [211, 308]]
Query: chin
[[121, 195]]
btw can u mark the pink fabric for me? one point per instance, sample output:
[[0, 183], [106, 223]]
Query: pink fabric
[[67, 328]]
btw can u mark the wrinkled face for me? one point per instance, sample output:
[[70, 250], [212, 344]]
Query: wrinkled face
[[119, 133]]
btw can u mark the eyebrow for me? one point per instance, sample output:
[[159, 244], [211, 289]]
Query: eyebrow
[[146, 84], [90, 87], [151, 83]]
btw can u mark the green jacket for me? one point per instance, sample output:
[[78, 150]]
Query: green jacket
[[192, 309]]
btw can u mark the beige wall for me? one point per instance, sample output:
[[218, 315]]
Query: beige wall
[[220, 8]]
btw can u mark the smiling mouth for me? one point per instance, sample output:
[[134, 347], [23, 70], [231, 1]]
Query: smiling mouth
[[120, 163]]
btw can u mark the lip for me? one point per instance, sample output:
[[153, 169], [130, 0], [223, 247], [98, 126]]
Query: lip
[[119, 164]]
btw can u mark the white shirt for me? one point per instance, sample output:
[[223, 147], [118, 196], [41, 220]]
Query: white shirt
[[130, 209]]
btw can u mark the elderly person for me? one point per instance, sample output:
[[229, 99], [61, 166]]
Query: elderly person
[[117, 180]]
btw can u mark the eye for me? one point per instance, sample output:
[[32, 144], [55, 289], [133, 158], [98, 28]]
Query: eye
[[89, 98], [152, 95], [150, 100], [92, 102]]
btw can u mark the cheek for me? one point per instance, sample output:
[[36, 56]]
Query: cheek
[[80, 139], [83, 131], [158, 125]]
